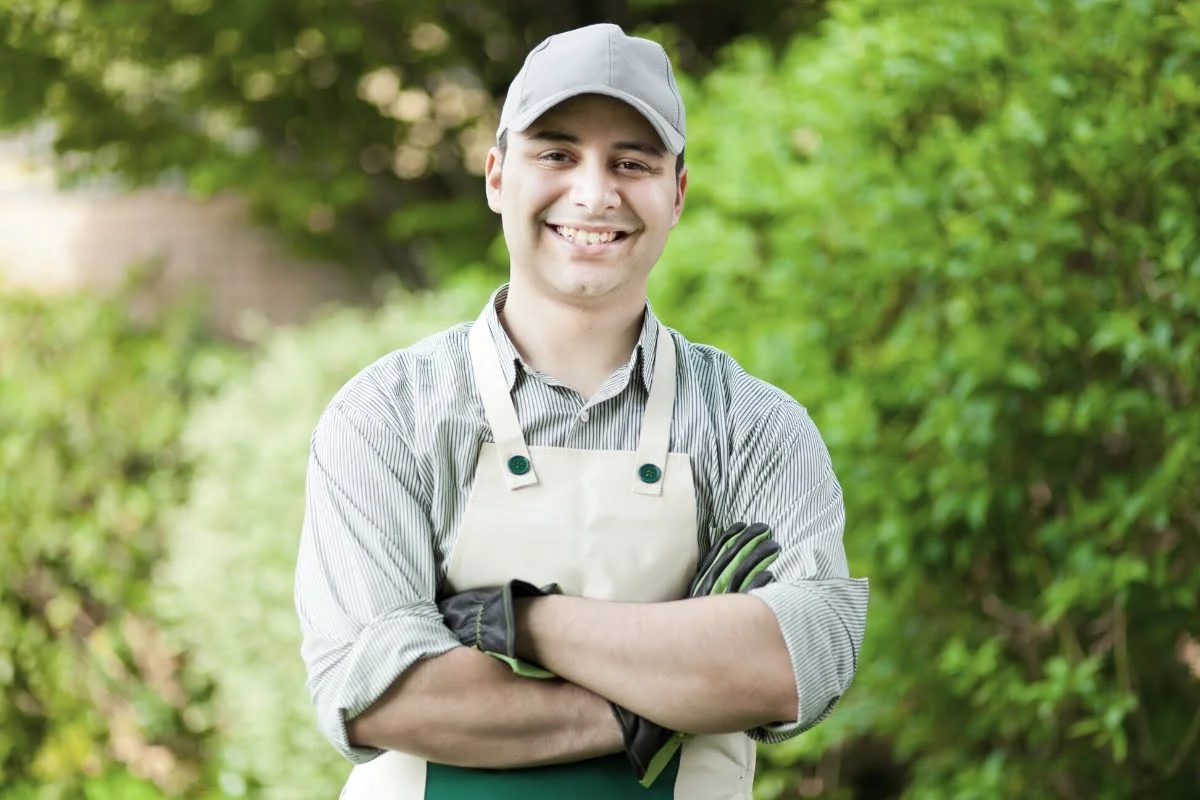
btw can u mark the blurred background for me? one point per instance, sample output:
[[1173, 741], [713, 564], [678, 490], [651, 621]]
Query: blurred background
[[964, 235]]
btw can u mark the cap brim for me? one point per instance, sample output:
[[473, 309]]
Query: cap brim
[[673, 140]]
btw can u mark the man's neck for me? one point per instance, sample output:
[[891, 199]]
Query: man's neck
[[580, 346]]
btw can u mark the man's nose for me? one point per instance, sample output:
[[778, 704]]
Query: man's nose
[[593, 188]]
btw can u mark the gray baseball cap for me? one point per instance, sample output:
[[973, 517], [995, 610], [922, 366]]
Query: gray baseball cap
[[597, 59]]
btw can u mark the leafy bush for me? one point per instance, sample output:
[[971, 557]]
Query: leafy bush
[[965, 235], [91, 407], [357, 129], [229, 577]]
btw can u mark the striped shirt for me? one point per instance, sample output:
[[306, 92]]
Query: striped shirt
[[391, 466]]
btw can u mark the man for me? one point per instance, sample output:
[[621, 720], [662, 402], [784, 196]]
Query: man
[[567, 440]]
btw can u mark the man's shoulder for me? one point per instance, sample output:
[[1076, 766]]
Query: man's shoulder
[[719, 377], [401, 381], [747, 409]]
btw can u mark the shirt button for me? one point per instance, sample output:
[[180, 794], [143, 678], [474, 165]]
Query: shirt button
[[583, 416]]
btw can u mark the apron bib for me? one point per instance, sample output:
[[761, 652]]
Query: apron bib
[[602, 524]]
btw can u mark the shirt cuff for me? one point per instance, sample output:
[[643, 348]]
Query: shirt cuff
[[822, 623], [381, 653]]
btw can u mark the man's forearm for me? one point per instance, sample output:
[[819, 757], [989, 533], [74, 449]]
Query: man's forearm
[[704, 665], [467, 709]]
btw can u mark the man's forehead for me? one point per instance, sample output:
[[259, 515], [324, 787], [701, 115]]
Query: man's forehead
[[591, 118], [650, 145]]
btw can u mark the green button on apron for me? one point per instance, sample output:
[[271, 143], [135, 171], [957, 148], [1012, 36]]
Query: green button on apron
[[607, 778]]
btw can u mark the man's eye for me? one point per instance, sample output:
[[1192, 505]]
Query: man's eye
[[632, 165]]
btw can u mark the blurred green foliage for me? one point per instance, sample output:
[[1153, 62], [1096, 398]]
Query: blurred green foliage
[[90, 414], [358, 128], [239, 530], [966, 237]]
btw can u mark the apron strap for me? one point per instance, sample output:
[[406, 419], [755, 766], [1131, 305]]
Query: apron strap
[[515, 463], [651, 464]]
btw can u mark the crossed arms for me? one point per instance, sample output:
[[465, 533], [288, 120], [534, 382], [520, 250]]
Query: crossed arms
[[681, 664], [385, 674]]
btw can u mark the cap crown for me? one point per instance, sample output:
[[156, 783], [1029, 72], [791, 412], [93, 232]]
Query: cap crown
[[598, 59]]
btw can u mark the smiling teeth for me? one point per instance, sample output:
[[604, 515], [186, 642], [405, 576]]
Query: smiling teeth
[[587, 237]]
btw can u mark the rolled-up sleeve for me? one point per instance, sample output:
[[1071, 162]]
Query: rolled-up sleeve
[[781, 474], [365, 578]]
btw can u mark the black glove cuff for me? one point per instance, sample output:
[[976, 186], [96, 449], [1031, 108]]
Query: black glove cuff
[[629, 723], [643, 739], [513, 590], [485, 618]]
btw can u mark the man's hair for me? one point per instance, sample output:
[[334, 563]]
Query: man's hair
[[502, 145]]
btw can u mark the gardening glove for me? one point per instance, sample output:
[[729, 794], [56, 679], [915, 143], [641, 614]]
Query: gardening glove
[[485, 619], [649, 746], [737, 562]]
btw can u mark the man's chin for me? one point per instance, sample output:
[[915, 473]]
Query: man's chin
[[582, 288], [595, 283]]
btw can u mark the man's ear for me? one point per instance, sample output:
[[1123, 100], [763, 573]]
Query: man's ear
[[492, 168], [680, 191]]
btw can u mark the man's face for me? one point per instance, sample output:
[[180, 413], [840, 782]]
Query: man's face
[[587, 195]]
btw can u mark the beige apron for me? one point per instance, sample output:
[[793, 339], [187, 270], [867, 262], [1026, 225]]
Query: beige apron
[[603, 524]]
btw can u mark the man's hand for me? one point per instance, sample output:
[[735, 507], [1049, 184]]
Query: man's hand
[[737, 562], [485, 619]]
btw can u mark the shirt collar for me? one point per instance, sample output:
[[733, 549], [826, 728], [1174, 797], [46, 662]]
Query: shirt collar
[[510, 360]]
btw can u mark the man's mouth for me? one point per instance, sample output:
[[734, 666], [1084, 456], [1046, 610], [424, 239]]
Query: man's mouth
[[590, 238]]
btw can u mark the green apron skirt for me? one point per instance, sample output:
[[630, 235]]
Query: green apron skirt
[[605, 778]]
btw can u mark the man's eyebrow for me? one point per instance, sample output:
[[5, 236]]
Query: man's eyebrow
[[554, 136], [550, 135], [642, 147]]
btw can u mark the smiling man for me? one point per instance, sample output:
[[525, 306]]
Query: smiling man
[[522, 572]]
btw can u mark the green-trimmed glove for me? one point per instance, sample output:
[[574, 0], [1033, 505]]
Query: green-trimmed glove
[[649, 746], [737, 562], [485, 619]]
